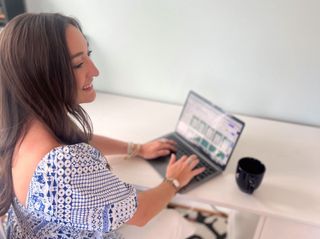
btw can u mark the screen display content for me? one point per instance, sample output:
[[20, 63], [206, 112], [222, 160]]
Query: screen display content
[[209, 129]]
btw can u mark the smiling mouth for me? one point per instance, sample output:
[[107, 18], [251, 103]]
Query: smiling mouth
[[88, 87]]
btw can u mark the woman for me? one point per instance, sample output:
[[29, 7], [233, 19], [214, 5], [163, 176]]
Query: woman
[[53, 175]]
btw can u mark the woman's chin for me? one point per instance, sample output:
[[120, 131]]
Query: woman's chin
[[88, 97]]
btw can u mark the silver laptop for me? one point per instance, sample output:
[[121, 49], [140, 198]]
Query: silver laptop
[[209, 132]]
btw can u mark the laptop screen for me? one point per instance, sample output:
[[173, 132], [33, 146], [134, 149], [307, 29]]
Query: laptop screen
[[208, 128]]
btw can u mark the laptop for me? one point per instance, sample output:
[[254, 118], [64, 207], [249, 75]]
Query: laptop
[[209, 132]]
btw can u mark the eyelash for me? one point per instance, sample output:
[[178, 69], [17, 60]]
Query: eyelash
[[79, 65]]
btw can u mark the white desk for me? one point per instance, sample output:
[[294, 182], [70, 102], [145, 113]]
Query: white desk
[[289, 191]]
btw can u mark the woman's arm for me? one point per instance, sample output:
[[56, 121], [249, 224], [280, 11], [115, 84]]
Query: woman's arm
[[152, 201], [150, 150], [109, 146]]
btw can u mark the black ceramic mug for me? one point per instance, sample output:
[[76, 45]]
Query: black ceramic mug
[[249, 174]]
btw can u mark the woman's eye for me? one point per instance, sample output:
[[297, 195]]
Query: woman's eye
[[78, 65], [89, 53]]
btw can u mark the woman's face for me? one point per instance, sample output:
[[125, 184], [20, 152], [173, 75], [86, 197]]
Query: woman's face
[[83, 67]]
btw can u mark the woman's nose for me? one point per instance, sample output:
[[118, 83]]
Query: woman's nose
[[93, 69]]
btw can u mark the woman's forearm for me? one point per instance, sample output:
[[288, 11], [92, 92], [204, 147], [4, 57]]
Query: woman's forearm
[[151, 202], [109, 146]]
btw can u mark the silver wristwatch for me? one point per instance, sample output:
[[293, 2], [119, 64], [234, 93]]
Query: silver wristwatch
[[174, 182]]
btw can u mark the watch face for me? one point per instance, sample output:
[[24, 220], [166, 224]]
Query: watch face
[[176, 183]]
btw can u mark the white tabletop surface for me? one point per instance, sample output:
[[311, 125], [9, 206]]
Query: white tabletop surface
[[291, 153]]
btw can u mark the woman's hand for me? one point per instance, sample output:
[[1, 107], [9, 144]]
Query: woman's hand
[[183, 169], [157, 148]]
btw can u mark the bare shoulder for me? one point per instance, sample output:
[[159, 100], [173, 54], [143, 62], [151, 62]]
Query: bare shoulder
[[37, 142]]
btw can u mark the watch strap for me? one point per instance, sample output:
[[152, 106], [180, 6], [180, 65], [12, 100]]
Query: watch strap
[[174, 183]]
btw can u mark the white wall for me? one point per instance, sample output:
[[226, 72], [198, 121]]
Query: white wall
[[251, 57]]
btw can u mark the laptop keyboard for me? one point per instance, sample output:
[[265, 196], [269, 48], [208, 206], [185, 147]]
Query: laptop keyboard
[[183, 150]]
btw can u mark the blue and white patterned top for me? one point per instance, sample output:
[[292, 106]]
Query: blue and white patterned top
[[73, 194]]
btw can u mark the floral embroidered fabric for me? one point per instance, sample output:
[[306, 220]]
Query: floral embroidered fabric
[[73, 194]]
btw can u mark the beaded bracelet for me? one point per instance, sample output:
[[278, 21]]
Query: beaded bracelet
[[133, 150]]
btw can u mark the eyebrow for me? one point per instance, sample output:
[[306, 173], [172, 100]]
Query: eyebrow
[[77, 54]]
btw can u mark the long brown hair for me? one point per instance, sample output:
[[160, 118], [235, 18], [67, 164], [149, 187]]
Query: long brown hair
[[36, 80]]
